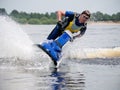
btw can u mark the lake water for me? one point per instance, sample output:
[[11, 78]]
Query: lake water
[[89, 63]]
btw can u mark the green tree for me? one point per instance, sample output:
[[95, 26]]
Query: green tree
[[53, 15], [106, 17], [14, 13], [33, 21], [47, 15], [99, 16], [117, 17], [93, 17], [22, 21], [24, 15], [44, 20], [3, 11], [51, 18]]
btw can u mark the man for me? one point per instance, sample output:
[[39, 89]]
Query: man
[[73, 25], [74, 22]]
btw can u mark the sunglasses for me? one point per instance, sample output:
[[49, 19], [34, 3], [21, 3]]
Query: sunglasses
[[85, 17]]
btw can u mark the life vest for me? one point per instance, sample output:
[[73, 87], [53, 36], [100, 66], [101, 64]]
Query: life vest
[[71, 26]]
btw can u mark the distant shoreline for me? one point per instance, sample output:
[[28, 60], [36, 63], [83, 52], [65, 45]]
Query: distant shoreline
[[103, 23], [89, 23]]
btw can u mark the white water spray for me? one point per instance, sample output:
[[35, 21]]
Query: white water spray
[[86, 53], [14, 42]]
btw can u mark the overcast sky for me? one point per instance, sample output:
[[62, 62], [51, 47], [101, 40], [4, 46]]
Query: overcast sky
[[43, 6]]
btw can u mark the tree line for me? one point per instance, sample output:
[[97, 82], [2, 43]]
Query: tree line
[[50, 18]]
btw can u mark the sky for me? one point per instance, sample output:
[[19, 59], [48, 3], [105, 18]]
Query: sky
[[43, 6]]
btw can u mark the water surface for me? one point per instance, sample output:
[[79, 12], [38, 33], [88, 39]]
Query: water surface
[[89, 63]]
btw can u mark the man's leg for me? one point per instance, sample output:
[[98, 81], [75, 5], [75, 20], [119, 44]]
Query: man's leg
[[55, 33]]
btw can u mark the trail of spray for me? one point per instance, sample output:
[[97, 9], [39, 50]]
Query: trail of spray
[[93, 53]]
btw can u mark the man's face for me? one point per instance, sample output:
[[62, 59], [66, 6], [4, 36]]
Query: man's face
[[83, 18]]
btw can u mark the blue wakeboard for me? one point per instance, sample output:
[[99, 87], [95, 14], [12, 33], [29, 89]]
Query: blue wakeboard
[[53, 48]]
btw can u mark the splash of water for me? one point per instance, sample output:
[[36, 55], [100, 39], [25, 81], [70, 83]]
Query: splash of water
[[14, 42], [16, 48]]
